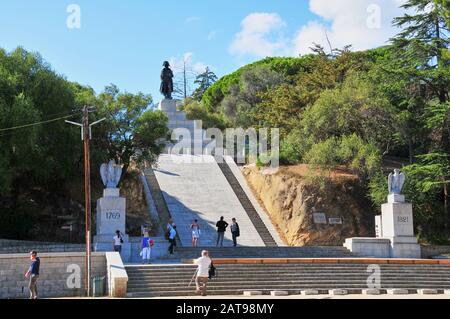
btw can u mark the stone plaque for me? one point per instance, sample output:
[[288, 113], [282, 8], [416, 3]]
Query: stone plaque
[[335, 221], [378, 227], [320, 218]]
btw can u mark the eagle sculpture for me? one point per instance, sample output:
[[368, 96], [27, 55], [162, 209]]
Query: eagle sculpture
[[111, 174], [396, 181]]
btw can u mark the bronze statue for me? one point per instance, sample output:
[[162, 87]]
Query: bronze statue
[[166, 81]]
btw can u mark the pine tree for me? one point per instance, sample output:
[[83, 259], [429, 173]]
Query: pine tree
[[424, 41], [204, 81], [422, 48]]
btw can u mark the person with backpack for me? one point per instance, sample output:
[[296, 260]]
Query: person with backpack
[[235, 231], [169, 227], [118, 241], [147, 245], [221, 228], [203, 272]]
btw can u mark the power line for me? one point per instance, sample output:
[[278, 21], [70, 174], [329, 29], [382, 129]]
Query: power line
[[37, 123]]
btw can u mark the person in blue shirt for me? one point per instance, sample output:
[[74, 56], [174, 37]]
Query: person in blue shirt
[[172, 238], [33, 274], [147, 245]]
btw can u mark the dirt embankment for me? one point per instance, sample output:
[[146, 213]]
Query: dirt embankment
[[291, 197], [137, 212]]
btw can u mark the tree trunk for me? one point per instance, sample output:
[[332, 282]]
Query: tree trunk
[[411, 150]]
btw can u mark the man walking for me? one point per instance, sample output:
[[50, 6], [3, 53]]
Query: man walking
[[235, 231], [221, 228], [147, 245], [33, 274], [172, 238], [201, 281]]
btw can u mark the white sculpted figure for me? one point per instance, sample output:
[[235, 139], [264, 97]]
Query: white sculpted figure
[[396, 181], [111, 174]]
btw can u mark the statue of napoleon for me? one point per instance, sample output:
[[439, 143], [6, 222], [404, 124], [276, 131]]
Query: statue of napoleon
[[166, 81]]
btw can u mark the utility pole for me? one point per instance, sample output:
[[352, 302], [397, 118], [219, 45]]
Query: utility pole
[[86, 135]]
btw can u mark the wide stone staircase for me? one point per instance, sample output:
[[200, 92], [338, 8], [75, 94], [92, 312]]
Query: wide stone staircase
[[234, 279], [194, 187], [189, 253]]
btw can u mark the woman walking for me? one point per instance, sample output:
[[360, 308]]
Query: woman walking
[[195, 229]]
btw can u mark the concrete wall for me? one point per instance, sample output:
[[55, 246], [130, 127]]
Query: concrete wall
[[117, 275], [18, 247], [55, 274], [429, 251]]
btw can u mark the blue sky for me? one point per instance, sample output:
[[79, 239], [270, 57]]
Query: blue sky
[[125, 42]]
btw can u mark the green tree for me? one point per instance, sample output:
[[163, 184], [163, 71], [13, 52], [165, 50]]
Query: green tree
[[430, 176], [132, 129], [204, 81], [353, 107]]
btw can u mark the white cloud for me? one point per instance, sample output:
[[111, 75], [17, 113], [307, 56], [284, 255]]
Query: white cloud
[[362, 23], [192, 19], [177, 64], [256, 35], [199, 67], [212, 35]]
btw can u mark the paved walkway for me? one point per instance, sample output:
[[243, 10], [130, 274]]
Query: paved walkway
[[194, 187], [320, 297]]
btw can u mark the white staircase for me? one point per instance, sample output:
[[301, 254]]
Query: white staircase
[[194, 187]]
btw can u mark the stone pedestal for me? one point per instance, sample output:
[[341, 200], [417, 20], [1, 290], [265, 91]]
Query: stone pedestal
[[369, 247], [168, 106], [110, 213], [111, 209], [397, 225], [188, 135], [394, 231]]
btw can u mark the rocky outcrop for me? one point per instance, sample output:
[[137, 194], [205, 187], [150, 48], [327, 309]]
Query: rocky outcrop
[[291, 197], [137, 212]]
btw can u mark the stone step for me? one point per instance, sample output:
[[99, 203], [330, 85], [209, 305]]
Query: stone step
[[290, 267], [233, 279], [186, 291], [302, 272], [194, 190], [297, 284], [162, 279], [247, 205]]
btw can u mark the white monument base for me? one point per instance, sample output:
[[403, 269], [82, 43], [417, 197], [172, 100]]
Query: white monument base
[[369, 247], [111, 218], [396, 230]]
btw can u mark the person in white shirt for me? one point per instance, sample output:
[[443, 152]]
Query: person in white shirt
[[201, 281], [118, 241]]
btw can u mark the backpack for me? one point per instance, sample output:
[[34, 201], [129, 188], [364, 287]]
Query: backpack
[[167, 234], [212, 271]]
